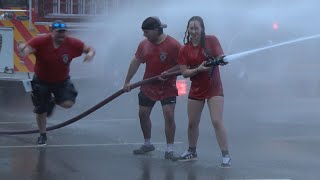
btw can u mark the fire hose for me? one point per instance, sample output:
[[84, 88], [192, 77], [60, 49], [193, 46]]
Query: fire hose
[[94, 108]]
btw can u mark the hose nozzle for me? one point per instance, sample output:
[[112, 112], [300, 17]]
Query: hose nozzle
[[212, 61]]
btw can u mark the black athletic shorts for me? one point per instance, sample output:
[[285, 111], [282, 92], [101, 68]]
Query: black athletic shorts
[[42, 93], [146, 101]]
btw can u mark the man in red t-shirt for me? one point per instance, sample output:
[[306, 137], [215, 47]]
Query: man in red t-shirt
[[54, 53], [159, 52]]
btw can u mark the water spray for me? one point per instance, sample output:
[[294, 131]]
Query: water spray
[[236, 56], [223, 60]]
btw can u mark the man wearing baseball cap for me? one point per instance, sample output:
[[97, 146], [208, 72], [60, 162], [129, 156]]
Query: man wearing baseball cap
[[159, 52], [152, 23], [59, 25], [51, 83]]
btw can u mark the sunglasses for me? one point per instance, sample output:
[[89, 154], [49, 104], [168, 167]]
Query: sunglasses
[[59, 25]]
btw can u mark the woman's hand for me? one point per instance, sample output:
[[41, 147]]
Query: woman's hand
[[202, 68]]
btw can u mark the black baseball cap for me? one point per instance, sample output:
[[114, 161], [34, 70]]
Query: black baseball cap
[[152, 23], [58, 25]]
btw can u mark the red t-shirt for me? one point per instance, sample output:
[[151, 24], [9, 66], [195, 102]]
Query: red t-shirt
[[52, 64], [159, 58], [202, 86]]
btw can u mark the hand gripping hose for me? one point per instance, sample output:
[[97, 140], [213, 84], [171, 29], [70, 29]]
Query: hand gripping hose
[[94, 108]]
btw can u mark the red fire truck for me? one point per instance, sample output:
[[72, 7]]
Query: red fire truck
[[20, 20]]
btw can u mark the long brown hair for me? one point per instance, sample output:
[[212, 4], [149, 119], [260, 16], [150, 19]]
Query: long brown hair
[[187, 37]]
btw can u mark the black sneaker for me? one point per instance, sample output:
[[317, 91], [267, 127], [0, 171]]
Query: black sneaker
[[42, 140], [51, 106], [188, 156], [144, 149], [226, 161]]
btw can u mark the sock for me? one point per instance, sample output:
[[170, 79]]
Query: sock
[[192, 149], [147, 142], [169, 148], [225, 153]]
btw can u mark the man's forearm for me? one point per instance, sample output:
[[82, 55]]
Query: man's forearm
[[24, 49], [134, 66]]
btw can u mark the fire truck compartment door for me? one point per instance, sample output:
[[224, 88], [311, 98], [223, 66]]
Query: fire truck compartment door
[[6, 49]]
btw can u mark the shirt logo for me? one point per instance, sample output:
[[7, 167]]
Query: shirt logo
[[65, 58], [163, 56]]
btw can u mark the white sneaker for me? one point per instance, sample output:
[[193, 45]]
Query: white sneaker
[[188, 156], [226, 161]]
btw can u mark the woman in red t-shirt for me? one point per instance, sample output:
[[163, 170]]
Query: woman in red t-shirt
[[206, 85]]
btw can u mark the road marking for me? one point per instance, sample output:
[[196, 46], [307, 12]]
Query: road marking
[[259, 179], [107, 120], [81, 145]]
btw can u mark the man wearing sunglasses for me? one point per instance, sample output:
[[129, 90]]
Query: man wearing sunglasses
[[51, 83]]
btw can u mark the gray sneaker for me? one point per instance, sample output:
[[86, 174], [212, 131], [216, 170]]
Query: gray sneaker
[[144, 149], [170, 155]]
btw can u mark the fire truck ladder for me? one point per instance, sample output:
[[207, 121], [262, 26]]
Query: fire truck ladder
[[78, 8]]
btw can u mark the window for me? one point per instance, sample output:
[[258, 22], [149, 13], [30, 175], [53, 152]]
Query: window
[[4, 4]]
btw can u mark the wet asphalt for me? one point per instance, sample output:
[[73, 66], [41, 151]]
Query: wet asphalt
[[270, 137]]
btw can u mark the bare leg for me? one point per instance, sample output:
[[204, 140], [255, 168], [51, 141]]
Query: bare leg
[[170, 125], [66, 104], [42, 122], [42, 118], [215, 105], [145, 122], [195, 108]]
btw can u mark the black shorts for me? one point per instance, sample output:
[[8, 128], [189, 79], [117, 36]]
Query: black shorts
[[192, 98], [42, 93], [146, 101]]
